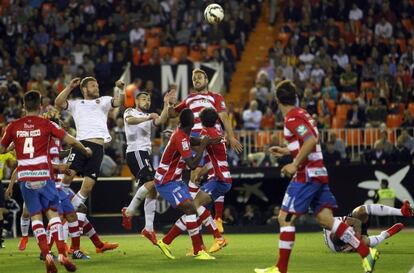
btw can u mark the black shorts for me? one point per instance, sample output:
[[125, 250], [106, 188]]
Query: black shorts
[[139, 163], [2, 201], [87, 166]]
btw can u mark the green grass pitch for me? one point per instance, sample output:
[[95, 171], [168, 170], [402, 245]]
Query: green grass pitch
[[244, 253]]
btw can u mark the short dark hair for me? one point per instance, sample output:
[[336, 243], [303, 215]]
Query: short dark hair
[[186, 118], [142, 93], [32, 100], [84, 81], [385, 182], [208, 117], [286, 92]]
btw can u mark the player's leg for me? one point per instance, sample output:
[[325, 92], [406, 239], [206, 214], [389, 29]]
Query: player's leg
[[2, 209], [218, 208], [87, 229], [50, 201], [149, 210], [374, 240], [323, 204], [24, 227], [194, 186], [74, 233], [382, 210]]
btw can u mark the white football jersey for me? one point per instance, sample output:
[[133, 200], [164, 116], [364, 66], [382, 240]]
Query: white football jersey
[[138, 136], [90, 117]]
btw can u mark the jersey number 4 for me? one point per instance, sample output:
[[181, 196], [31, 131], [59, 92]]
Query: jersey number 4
[[28, 147]]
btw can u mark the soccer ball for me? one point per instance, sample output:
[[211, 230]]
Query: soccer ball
[[214, 14]]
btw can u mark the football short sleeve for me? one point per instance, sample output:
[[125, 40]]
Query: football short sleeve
[[106, 102], [72, 105], [219, 103], [299, 128], [181, 106], [56, 130]]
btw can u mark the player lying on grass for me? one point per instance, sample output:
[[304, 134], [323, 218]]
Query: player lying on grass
[[359, 220], [218, 183], [169, 184]]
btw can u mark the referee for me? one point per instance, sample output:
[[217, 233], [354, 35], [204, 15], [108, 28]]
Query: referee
[[9, 160], [90, 115]]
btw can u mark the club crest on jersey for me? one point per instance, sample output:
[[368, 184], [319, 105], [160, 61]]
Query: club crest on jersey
[[301, 130], [185, 145], [98, 101]]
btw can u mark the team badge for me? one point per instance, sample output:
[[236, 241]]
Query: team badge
[[185, 145], [98, 101]]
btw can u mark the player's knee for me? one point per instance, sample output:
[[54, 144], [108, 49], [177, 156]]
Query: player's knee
[[188, 208], [360, 212], [71, 217]]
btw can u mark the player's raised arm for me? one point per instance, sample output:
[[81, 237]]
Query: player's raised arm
[[118, 99], [61, 100], [168, 106]]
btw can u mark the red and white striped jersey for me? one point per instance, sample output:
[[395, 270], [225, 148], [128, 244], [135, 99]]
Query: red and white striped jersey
[[172, 161], [197, 102], [55, 147], [299, 125], [31, 136], [215, 158]]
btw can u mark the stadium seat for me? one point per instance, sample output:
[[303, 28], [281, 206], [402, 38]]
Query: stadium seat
[[178, 51], [370, 136], [155, 32], [101, 23], [407, 24], [353, 137], [262, 139], [152, 42], [126, 172], [394, 121], [342, 109], [349, 95], [195, 55], [164, 50], [338, 123], [402, 43], [340, 133], [392, 136], [210, 49], [367, 85], [341, 26], [411, 108], [400, 107]]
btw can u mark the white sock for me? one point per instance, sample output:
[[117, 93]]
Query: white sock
[[149, 209], [24, 226], [77, 200], [382, 210], [375, 240], [139, 196], [65, 231], [193, 189]]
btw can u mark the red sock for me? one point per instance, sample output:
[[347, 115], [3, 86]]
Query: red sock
[[194, 232], [93, 236], [344, 232], [204, 216], [51, 241], [74, 235], [286, 241], [218, 207], [175, 231], [40, 233], [56, 234]]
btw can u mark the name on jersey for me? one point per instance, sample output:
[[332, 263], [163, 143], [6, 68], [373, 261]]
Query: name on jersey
[[34, 133]]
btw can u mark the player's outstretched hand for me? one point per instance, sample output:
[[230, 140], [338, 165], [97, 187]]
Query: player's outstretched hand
[[120, 84], [235, 145], [289, 170], [88, 152], [153, 116], [171, 96], [74, 83], [278, 151]]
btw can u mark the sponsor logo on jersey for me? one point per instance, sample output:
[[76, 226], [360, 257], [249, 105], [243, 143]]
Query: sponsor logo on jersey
[[28, 126], [185, 145], [301, 130], [38, 173]]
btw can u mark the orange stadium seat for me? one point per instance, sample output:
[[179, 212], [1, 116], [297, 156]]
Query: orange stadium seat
[[342, 109], [211, 48], [353, 137], [164, 50], [101, 23], [283, 37], [195, 55], [152, 42], [411, 108], [402, 43], [407, 24], [394, 121], [262, 139], [178, 51], [367, 85], [341, 26], [155, 31], [370, 136], [338, 123]]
